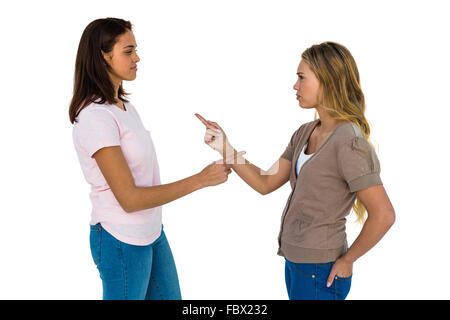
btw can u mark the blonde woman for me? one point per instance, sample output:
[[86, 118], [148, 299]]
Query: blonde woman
[[331, 167]]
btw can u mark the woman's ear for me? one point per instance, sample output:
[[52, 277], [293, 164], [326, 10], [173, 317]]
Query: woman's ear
[[107, 56]]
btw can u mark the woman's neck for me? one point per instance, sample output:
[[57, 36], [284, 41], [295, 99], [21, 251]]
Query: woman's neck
[[327, 123], [116, 85]]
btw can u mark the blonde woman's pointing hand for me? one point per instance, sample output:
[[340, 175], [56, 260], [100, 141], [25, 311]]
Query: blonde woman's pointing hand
[[216, 138]]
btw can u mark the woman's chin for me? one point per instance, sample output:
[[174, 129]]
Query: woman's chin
[[130, 77], [304, 107]]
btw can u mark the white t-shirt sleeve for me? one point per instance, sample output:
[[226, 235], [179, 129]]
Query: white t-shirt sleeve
[[96, 128]]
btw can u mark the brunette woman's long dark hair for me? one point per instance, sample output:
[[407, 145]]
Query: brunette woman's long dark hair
[[92, 81]]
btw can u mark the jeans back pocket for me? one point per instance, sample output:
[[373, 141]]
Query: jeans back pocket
[[95, 239]]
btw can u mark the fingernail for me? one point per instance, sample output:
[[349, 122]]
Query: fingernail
[[328, 284]]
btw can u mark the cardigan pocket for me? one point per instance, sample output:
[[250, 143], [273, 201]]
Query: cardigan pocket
[[305, 221], [336, 234], [299, 228]]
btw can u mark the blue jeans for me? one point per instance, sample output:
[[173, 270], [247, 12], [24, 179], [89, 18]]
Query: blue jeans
[[131, 272], [308, 281]]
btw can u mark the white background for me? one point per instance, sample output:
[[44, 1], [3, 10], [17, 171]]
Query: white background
[[234, 62]]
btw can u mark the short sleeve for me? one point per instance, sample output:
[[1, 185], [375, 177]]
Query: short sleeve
[[96, 129], [288, 153], [359, 164]]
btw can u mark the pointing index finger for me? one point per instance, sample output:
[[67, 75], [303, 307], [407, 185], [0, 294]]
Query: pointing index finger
[[208, 124], [203, 120]]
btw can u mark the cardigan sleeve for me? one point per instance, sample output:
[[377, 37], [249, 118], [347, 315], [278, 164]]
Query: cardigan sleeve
[[288, 153], [359, 164]]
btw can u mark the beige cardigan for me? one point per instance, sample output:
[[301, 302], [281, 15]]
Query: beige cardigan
[[313, 221]]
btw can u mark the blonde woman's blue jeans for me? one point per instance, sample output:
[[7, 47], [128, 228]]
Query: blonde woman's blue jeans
[[308, 281]]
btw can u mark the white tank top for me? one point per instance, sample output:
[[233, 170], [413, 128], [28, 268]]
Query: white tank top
[[302, 158]]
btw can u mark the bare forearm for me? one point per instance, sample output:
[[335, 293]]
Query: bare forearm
[[373, 230], [142, 198], [251, 174]]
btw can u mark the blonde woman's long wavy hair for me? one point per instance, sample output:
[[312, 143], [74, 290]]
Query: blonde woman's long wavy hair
[[340, 91]]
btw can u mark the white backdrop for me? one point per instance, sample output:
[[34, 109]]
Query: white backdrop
[[234, 62]]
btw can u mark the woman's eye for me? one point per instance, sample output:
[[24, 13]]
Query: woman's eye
[[128, 52]]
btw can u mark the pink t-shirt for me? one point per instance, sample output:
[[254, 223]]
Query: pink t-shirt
[[103, 125]]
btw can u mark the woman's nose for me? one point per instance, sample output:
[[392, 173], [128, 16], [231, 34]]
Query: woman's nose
[[297, 85]]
